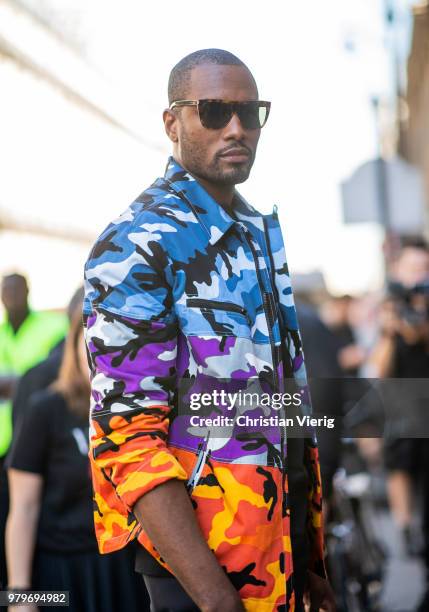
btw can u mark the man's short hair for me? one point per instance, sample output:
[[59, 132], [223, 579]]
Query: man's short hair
[[180, 76]]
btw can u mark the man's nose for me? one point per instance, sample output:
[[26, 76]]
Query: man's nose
[[234, 129]]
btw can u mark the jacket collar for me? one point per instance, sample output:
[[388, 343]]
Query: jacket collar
[[215, 220]]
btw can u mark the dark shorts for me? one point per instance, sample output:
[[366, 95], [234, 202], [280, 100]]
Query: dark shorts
[[168, 595]]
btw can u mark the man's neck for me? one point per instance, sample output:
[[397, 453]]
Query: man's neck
[[222, 194], [17, 318]]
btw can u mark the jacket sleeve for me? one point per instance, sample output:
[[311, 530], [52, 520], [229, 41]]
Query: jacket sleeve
[[131, 337]]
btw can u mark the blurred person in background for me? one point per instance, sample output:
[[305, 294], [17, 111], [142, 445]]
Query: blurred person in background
[[351, 321], [402, 351], [46, 372], [26, 338], [335, 313], [50, 535], [326, 393], [36, 378]]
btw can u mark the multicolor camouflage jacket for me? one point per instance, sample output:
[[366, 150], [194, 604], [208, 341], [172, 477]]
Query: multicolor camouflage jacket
[[178, 289]]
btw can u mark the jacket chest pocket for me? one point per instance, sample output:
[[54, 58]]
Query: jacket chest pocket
[[215, 318]]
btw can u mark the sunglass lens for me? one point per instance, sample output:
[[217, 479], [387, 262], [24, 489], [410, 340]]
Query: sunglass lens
[[213, 114], [216, 114], [252, 115], [263, 115]]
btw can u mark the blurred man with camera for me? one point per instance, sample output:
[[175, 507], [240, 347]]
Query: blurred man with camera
[[402, 352]]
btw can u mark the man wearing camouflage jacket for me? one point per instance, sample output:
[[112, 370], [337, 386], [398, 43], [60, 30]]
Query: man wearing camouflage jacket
[[191, 283]]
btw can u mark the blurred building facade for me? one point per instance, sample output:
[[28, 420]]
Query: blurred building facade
[[414, 132], [64, 129]]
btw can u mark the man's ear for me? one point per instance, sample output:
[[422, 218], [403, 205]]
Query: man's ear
[[170, 124]]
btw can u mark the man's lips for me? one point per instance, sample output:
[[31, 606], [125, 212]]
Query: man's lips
[[236, 155]]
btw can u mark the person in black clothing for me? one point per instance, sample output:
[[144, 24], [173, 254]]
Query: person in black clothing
[[50, 539], [44, 373], [36, 378], [402, 352], [336, 314], [325, 375]]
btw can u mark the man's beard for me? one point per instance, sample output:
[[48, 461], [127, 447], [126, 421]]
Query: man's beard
[[193, 153]]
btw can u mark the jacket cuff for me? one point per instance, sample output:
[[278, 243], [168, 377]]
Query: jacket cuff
[[157, 467]]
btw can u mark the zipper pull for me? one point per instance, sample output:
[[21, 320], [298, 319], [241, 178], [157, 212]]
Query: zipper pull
[[268, 299], [275, 213], [246, 314]]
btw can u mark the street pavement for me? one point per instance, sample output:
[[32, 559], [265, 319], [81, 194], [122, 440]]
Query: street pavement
[[403, 583]]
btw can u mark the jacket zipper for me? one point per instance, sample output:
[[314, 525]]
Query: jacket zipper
[[203, 454], [240, 309], [270, 255], [283, 349], [267, 304], [213, 304]]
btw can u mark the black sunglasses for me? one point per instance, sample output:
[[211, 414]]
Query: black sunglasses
[[216, 114]]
